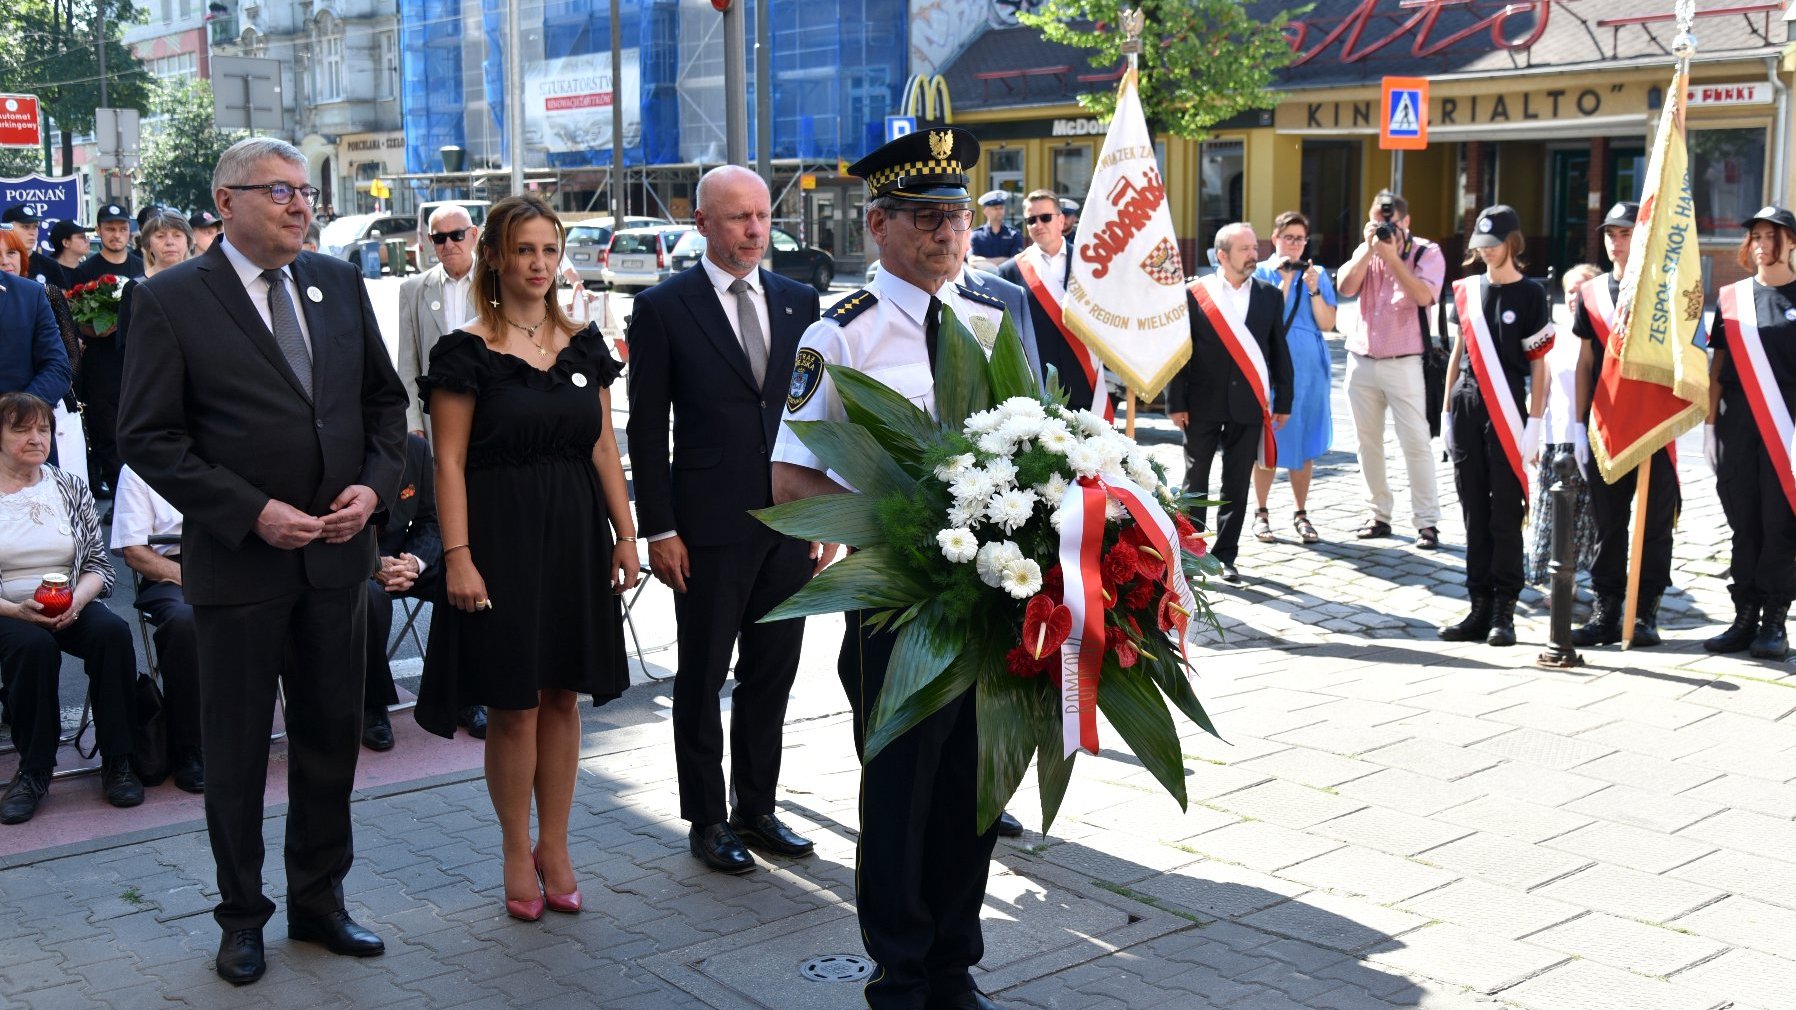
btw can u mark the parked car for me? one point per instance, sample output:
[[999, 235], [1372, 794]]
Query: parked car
[[803, 263], [588, 238], [343, 238], [427, 253], [641, 257]]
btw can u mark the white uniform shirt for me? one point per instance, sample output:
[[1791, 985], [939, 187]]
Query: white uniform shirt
[[139, 513]]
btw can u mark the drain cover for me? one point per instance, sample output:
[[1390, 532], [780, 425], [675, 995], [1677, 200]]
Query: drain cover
[[837, 968]]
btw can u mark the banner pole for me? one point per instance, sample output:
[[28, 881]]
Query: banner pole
[[1631, 608], [1129, 418]]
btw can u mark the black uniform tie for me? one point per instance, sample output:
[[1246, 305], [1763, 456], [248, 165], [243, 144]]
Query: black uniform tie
[[932, 324]]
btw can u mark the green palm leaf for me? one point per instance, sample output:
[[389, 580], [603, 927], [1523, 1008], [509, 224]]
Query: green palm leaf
[[1169, 673], [1009, 366], [902, 427], [851, 519], [930, 667], [1053, 770], [871, 578], [1009, 708], [853, 453], [962, 387], [1130, 701]]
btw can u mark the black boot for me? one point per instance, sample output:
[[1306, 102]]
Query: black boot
[[1739, 635], [1772, 642], [1502, 622], [1475, 626], [1646, 623], [1604, 626]]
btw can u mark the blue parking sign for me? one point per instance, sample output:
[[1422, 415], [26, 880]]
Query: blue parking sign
[[900, 126]]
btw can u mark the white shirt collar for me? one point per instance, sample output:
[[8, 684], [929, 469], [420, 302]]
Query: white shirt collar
[[913, 301], [247, 271], [721, 279], [1236, 288]]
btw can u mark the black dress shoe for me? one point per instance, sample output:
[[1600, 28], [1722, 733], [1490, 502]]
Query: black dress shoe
[[718, 847], [240, 959], [119, 783], [768, 834], [1008, 826], [473, 719], [1230, 573], [22, 797], [377, 730], [188, 771], [338, 932]]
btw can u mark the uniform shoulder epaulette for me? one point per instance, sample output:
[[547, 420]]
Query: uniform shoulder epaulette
[[852, 306], [973, 294]]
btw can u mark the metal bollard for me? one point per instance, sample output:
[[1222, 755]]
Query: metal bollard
[[1563, 568]]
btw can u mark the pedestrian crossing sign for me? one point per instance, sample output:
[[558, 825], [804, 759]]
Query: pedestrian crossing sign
[[1404, 123]]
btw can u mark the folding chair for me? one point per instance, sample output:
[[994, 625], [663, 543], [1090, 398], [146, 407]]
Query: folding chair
[[630, 625]]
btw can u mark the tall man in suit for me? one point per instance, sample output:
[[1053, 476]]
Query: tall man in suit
[[715, 346], [1235, 392], [411, 565], [259, 400], [435, 302], [1043, 270]]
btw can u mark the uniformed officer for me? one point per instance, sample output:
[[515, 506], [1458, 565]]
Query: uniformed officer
[[1611, 504], [995, 241], [1505, 331], [921, 864], [1747, 437]]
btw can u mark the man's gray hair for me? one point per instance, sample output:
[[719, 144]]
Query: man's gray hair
[[1227, 233], [436, 216], [241, 158], [705, 183]]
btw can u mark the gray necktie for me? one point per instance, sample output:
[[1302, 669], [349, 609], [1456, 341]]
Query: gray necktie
[[750, 322], [287, 334]]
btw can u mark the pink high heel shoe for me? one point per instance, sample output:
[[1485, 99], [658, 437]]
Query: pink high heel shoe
[[569, 902], [529, 911]]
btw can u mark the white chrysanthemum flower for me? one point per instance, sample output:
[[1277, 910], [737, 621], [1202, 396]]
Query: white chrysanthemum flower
[[1021, 578], [1114, 510], [972, 486], [1140, 469], [982, 422], [954, 467], [1085, 460], [1111, 452], [965, 511], [993, 556], [1055, 436], [1025, 406], [1052, 491], [1093, 425], [996, 443], [1018, 429], [959, 545], [1010, 509], [1002, 473]]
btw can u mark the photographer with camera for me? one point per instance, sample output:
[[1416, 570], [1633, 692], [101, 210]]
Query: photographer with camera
[[1397, 277]]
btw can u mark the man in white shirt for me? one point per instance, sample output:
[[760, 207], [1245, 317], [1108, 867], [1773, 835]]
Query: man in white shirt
[[435, 302], [1042, 270]]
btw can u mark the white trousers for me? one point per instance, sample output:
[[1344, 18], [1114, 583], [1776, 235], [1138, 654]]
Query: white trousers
[[1373, 386]]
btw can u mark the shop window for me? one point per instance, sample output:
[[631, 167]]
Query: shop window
[[1727, 178], [1221, 193], [1007, 175], [1072, 171]]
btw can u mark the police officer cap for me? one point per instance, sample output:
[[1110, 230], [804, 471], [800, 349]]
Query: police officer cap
[[19, 213], [1622, 215], [929, 165], [1771, 215], [995, 198], [204, 219], [111, 212], [1495, 224], [1069, 206]]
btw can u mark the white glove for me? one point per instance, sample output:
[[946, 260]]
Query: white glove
[[1581, 444], [1531, 442], [1711, 448], [1447, 431]]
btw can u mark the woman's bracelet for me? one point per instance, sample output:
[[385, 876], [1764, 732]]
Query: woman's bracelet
[[458, 547], [626, 540]]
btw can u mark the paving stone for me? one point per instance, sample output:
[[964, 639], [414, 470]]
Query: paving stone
[[1586, 985], [1750, 976], [1732, 727], [1433, 758], [1638, 738], [1347, 740], [1733, 755], [1478, 961], [1550, 750], [1630, 769], [1379, 877], [1630, 945], [1655, 712], [1212, 888], [1771, 880], [1513, 818], [1448, 727], [1389, 831], [1260, 846], [1751, 832], [1778, 799], [1550, 718], [1459, 701], [1624, 845], [1490, 908], [1407, 791], [1630, 893], [1744, 922], [1335, 922], [1502, 860], [1746, 697], [1642, 808], [1314, 768], [1286, 804]]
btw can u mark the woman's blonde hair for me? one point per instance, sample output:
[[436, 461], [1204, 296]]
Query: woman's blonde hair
[[1576, 276], [495, 253]]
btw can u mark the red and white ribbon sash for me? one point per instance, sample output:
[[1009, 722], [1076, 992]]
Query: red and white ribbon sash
[[1599, 307], [1740, 314], [1481, 347], [1088, 363], [1081, 561], [1247, 354]]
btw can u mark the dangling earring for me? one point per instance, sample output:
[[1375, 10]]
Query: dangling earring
[[494, 276]]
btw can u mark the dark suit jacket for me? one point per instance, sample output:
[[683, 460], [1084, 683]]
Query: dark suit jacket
[[212, 416], [1211, 386], [408, 525], [685, 358], [32, 357], [1055, 350]]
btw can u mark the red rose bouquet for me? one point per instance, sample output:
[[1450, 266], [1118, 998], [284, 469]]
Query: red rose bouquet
[[96, 302]]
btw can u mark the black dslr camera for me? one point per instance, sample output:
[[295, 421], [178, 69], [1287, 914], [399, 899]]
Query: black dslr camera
[[1295, 266], [1386, 230]]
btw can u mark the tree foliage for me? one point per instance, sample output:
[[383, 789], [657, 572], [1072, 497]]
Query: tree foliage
[[48, 49], [182, 147], [20, 161], [1202, 61]]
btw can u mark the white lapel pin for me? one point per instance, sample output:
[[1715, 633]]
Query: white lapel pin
[[314, 294], [580, 379], [434, 306]]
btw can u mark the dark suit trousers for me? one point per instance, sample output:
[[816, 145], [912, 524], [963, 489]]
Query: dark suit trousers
[[920, 864], [102, 369], [1491, 498], [316, 636], [379, 691], [1611, 507], [1240, 446], [31, 667], [732, 587], [178, 658], [1758, 513]]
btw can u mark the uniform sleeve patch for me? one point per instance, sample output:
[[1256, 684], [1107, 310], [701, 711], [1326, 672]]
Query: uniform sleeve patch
[[975, 295], [807, 375]]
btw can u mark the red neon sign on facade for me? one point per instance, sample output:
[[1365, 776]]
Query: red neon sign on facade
[[1422, 23]]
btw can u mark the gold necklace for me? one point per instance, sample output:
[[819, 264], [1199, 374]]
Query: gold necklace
[[530, 333]]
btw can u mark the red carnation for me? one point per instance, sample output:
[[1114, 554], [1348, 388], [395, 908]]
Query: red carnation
[[1053, 584], [1140, 595], [1121, 563], [1021, 664]]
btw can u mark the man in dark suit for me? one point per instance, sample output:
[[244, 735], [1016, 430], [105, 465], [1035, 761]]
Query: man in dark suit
[[411, 555], [260, 401], [715, 346], [1042, 270], [1235, 392]]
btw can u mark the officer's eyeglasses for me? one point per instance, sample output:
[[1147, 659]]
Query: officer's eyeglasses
[[282, 194], [1039, 218], [439, 237], [930, 220]]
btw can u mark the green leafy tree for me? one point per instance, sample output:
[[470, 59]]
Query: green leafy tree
[[182, 146], [52, 51], [1202, 61], [18, 161]]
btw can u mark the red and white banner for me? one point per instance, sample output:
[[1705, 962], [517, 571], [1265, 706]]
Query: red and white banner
[[1247, 354], [1088, 362], [1740, 314], [1623, 412], [1481, 347]]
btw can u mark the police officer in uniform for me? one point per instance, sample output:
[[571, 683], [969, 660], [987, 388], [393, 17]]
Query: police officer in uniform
[[995, 241], [921, 865], [1752, 382], [1492, 449], [1612, 504]]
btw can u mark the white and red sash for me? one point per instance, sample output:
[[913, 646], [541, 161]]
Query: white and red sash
[[1481, 347], [1247, 354], [1740, 314], [1050, 306], [1599, 307]]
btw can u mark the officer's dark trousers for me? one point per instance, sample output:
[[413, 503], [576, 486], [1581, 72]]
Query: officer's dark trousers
[[1764, 562], [921, 866], [1611, 506], [1491, 498], [1240, 445]]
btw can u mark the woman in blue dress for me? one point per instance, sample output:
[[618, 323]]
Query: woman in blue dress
[[1309, 312]]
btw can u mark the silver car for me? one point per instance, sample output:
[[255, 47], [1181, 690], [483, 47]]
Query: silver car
[[641, 257], [588, 238]]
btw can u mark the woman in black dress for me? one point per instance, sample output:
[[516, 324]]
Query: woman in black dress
[[1752, 386], [529, 492], [1491, 435]]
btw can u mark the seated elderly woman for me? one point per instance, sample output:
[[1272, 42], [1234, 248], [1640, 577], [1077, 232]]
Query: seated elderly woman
[[48, 525]]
